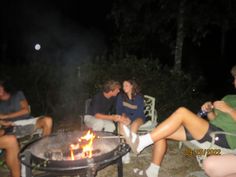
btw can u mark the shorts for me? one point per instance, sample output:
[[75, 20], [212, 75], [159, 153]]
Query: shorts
[[222, 141], [99, 124], [22, 127]]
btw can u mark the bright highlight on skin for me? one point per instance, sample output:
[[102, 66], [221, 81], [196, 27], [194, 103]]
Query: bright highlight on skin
[[37, 47]]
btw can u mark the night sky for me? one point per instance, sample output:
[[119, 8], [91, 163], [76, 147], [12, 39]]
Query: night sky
[[53, 24], [83, 28]]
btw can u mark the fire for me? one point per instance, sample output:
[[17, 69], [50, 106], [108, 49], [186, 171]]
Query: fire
[[85, 143]]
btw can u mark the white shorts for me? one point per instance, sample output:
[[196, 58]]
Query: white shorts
[[26, 121], [99, 124], [25, 127]]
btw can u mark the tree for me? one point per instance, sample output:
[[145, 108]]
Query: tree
[[143, 25], [180, 36]]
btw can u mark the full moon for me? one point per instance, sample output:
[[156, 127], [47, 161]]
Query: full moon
[[37, 47]]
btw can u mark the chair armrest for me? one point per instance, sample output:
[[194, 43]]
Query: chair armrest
[[213, 135]]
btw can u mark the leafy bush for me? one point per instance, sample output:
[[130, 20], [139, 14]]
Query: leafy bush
[[170, 88], [61, 90]]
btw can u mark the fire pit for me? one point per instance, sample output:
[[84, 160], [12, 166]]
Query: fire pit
[[74, 154]]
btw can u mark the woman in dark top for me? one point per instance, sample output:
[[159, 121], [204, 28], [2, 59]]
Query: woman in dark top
[[130, 105]]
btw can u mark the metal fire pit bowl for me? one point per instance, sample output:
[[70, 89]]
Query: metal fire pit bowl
[[52, 154]]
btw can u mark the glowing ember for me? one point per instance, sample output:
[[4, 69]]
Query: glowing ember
[[85, 143]]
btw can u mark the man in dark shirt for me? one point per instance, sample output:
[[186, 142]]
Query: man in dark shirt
[[98, 117]]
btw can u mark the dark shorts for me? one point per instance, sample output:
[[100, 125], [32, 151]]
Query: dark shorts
[[222, 141]]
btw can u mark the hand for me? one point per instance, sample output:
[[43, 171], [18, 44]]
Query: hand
[[6, 123], [207, 107], [222, 106], [116, 118], [125, 120]]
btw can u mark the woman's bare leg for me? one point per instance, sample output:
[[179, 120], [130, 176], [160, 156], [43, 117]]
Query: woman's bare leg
[[182, 117], [10, 144], [136, 124], [171, 128], [159, 150], [160, 147], [2, 132], [220, 166]]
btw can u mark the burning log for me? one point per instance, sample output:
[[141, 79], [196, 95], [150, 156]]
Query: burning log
[[58, 154]]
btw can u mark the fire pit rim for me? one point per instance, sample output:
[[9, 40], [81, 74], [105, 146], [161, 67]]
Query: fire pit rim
[[53, 165]]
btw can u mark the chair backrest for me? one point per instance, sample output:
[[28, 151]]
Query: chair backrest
[[149, 107], [87, 104]]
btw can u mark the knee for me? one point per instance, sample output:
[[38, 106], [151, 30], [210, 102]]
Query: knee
[[12, 139], [12, 142], [48, 121], [208, 166], [181, 111]]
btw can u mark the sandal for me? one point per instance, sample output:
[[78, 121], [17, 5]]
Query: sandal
[[139, 172]]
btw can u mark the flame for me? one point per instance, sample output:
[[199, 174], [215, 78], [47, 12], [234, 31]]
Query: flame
[[72, 148], [86, 144], [72, 154]]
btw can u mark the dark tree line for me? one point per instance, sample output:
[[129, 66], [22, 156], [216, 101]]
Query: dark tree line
[[146, 27]]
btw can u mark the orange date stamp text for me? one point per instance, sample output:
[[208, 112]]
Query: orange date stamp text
[[201, 152]]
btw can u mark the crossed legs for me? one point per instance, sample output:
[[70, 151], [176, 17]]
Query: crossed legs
[[171, 128], [10, 144]]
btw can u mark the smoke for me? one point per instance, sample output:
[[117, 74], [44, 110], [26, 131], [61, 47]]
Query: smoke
[[64, 46]]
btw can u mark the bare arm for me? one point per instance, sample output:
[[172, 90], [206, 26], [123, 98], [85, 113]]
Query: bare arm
[[209, 108], [116, 118], [6, 123], [105, 116], [23, 111], [224, 107]]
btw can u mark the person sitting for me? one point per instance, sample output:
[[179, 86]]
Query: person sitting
[[130, 103], [10, 145], [15, 108], [214, 166], [102, 104], [185, 125]]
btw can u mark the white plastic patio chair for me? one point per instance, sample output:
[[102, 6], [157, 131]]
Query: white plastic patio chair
[[149, 111], [151, 114], [210, 147]]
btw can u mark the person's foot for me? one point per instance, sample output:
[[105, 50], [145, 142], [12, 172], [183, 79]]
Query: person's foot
[[132, 139]]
